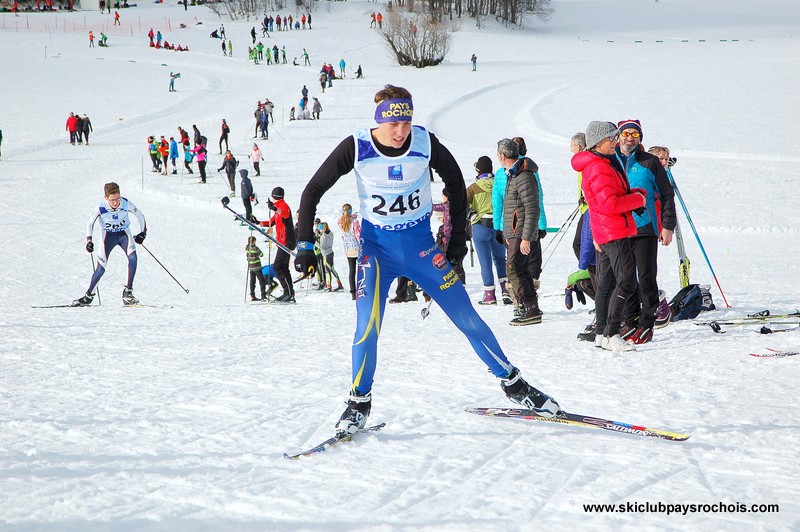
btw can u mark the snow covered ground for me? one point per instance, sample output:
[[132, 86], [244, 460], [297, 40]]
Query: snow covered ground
[[177, 418]]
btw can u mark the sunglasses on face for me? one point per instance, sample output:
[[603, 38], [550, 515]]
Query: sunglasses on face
[[634, 134]]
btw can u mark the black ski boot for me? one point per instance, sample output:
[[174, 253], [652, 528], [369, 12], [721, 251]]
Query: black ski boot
[[355, 415], [128, 298], [84, 301], [526, 395]]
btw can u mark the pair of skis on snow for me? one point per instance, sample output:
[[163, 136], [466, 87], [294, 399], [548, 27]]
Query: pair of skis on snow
[[564, 418]]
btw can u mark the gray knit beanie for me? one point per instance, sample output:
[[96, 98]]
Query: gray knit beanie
[[597, 131]]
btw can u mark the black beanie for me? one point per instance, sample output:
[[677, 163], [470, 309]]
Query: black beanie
[[484, 165], [277, 192]]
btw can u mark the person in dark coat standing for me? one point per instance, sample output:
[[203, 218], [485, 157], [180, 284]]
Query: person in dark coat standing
[[229, 164], [520, 228], [248, 196]]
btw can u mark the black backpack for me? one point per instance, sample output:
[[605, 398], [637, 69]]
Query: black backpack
[[691, 301]]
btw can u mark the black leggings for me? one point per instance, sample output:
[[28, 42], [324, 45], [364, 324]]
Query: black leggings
[[351, 263]]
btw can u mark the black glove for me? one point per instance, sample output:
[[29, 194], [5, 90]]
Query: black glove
[[140, 237], [498, 235], [542, 234], [580, 296], [306, 260], [89, 246], [271, 206], [456, 249], [671, 162]]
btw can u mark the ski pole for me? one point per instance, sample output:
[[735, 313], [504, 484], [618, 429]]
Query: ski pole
[[246, 278], [91, 255], [567, 223], [226, 200], [560, 235], [165, 268], [697, 237]]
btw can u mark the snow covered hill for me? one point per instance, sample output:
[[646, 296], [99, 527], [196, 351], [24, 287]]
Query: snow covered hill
[[177, 418]]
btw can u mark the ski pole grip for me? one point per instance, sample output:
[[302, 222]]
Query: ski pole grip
[[225, 200]]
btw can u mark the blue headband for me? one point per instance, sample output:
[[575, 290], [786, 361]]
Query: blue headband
[[394, 110]]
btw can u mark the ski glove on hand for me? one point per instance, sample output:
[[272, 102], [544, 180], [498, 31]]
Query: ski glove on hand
[[306, 260], [89, 246], [140, 237], [271, 205], [498, 235], [456, 249], [542, 234]]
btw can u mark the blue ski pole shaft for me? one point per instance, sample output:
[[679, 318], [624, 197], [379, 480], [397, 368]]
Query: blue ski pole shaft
[[697, 237]]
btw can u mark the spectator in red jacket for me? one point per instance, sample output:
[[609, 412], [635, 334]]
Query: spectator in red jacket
[[284, 233], [72, 127], [610, 201]]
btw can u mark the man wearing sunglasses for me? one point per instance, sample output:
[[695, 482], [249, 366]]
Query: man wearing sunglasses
[[656, 223]]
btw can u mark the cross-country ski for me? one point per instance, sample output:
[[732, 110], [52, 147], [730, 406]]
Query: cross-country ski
[[581, 421]]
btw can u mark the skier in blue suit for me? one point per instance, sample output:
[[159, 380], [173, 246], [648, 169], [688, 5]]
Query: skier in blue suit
[[392, 165]]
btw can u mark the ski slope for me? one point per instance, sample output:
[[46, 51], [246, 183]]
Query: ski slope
[[177, 417]]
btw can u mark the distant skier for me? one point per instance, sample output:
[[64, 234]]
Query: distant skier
[[474, 60], [229, 164], [115, 224], [224, 135], [172, 78]]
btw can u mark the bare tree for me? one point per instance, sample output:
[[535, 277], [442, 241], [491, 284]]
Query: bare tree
[[245, 9], [416, 39]]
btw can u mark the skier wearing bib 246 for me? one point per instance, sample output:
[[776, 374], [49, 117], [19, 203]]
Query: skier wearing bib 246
[[392, 164], [113, 214]]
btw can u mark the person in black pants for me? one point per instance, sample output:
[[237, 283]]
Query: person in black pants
[[224, 136], [284, 233]]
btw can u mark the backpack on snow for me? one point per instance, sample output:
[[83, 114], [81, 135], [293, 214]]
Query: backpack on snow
[[691, 301]]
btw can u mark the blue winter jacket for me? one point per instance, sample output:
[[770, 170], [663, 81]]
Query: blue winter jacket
[[644, 171], [173, 150]]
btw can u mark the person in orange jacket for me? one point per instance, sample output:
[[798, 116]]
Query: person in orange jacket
[[163, 149]]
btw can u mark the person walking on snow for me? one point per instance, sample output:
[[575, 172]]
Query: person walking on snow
[[229, 164], [392, 164], [91, 40], [256, 156], [225, 131], [113, 213]]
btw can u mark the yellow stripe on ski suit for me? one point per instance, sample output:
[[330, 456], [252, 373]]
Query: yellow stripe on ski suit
[[374, 321]]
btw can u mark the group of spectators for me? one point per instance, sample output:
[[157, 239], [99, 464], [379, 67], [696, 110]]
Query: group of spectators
[[79, 128], [158, 41], [630, 210]]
